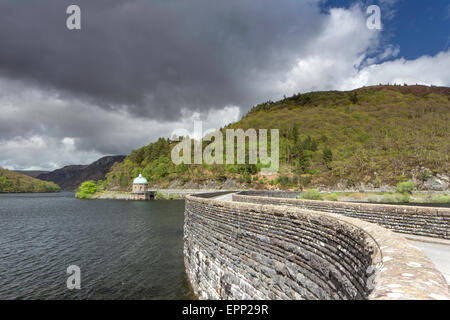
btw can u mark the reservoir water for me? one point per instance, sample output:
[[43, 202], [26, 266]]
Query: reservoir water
[[125, 249]]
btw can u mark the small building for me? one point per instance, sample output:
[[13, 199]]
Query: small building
[[140, 189]]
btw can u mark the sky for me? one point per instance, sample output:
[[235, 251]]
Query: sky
[[138, 70]]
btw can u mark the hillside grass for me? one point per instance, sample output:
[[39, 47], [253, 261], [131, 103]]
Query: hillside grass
[[378, 138], [14, 182]]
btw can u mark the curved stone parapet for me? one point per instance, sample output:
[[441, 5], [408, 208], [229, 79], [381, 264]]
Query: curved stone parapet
[[422, 221], [241, 250]]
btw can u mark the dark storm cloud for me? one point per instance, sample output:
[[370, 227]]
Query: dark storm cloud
[[40, 129], [154, 58]]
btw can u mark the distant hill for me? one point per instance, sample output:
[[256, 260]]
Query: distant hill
[[70, 177], [15, 182], [365, 138], [31, 173], [377, 135]]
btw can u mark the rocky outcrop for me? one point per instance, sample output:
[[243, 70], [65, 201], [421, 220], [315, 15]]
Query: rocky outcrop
[[437, 183], [426, 180], [70, 177]]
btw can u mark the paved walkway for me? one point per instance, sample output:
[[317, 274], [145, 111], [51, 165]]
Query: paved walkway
[[437, 250], [225, 197]]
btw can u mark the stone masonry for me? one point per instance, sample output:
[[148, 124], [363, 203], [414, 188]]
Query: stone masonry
[[242, 250], [422, 221]]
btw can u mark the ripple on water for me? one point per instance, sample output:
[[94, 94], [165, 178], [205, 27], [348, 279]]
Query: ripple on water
[[126, 250]]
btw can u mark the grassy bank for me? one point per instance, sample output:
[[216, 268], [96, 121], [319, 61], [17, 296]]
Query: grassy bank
[[377, 197]]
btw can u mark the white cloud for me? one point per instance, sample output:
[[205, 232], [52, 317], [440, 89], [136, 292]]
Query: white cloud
[[389, 52], [426, 70], [335, 55], [342, 58], [41, 153]]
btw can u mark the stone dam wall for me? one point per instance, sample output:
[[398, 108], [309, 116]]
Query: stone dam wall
[[423, 221], [242, 250]]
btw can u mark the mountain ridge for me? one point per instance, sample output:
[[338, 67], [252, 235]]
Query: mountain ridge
[[71, 176], [32, 173]]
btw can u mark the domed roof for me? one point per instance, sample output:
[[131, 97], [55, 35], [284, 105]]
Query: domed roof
[[140, 180]]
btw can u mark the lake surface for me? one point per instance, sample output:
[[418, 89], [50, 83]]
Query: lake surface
[[125, 249]]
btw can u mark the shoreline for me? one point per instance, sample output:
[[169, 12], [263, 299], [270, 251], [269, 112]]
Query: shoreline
[[165, 194], [416, 198], [32, 192]]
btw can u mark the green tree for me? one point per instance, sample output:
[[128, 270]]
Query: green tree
[[136, 171], [5, 184], [295, 134], [284, 181], [182, 168], [86, 190], [147, 173], [160, 170], [307, 143], [405, 187], [327, 155], [137, 156], [304, 161], [123, 180], [313, 145], [354, 97]]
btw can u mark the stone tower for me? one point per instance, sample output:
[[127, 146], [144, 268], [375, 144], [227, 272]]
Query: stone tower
[[140, 189]]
